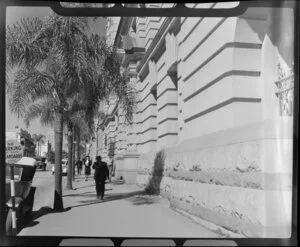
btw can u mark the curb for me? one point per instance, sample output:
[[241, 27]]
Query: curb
[[211, 226]]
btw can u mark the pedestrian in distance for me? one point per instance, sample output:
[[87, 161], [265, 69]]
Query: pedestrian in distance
[[79, 166], [87, 167], [100, 175], [110, 167]]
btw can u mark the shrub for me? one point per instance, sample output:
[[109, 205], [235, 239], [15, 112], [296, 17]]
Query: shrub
[[196, 168], [153, 186]]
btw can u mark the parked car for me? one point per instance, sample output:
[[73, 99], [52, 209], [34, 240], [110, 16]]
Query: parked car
[[41, 163], [64, 164]]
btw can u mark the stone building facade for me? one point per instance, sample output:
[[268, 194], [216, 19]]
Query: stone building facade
[[216, 94]]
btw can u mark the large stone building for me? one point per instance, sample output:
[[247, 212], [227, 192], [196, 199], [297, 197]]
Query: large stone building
[[216, 94]]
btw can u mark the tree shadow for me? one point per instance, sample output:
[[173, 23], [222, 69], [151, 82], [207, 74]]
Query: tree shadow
[[46, 210], [143, 200], [27, 224], [30, 220], [109, 198], [87, 186], [117, 182], [84, 194]]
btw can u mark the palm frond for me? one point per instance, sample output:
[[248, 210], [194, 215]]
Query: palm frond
[[28, 86], [43, 110], [21, 47]]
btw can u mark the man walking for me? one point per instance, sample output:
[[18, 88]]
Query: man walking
[[100, 175], [79, 166]]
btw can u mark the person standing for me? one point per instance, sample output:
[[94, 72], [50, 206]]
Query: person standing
[[110, 167], [87, 167], [79, 166], [100, 176]]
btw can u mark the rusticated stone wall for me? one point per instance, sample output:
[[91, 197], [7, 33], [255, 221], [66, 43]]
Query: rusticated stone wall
[[239, 179]]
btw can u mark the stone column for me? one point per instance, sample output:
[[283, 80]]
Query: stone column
[[130, 166], [119, 163]]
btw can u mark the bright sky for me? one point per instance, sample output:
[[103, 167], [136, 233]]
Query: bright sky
[[14, 14]]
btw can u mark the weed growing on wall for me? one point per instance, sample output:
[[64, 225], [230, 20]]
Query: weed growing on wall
[[153, 186]]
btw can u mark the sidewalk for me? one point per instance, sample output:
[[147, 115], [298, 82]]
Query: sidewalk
[[125, 212]]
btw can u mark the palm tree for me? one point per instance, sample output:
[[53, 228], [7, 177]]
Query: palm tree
[[52, 64], [39, 139], [56, 62]]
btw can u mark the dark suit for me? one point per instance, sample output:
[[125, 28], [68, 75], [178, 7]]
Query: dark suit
[[100, 175]]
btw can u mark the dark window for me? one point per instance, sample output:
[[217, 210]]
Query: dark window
[[154, 92]]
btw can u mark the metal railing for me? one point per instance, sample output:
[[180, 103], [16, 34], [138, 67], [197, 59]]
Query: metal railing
[[285, 94]]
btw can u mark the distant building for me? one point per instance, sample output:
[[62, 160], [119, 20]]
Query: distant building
[[50, 139], [44, 149], [24, 138]]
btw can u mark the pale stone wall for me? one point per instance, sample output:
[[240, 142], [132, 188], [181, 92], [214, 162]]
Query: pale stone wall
[[208, 78], [238, 180], [147, 114]]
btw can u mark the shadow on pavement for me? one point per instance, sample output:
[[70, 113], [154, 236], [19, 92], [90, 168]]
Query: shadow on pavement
[[108, 198], [117, 182], [85, 194], [45, 210], [87, 186], [143, 200], [30, 221]]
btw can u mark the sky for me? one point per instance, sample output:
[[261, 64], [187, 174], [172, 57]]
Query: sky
[[13, 14]]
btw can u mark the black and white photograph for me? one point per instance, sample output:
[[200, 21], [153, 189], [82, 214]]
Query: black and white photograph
[[150, 126]]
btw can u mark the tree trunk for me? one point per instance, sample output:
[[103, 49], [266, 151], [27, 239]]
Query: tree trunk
[[73, 154], [97, 141], [58, 138], [78, 143], [70, 158]]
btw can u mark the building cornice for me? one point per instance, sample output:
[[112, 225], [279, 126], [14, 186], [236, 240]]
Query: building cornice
[[170, 24], [123, 28], [108, 118]]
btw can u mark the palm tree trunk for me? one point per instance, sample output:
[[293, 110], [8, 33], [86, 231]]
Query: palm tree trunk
[[78, 143], [58, 138], [70, 159], [73, 154]]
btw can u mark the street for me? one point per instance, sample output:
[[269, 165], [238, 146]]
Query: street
[[125, 212]]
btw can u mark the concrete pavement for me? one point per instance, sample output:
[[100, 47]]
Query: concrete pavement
[[43, 182], [125, 212]]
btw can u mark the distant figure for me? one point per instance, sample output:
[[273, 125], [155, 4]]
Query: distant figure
[[110, 167], [79, 166], [100, 176], [87, 167]]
